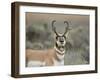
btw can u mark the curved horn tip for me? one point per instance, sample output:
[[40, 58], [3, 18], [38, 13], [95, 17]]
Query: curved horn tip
[[66, 22], [54, 21], [53, 27]]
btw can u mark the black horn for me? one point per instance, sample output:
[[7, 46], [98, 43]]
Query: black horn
[[67, 27], [53, 27]]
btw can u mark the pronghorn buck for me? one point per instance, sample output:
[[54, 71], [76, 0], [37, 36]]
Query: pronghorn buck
[[49, 57]]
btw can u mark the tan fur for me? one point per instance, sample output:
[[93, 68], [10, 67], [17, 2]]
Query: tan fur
[[46, 56]]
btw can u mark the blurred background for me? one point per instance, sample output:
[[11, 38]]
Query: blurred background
[[39, 34]]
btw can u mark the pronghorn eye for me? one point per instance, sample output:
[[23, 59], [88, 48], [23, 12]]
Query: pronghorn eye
[[56, 38]]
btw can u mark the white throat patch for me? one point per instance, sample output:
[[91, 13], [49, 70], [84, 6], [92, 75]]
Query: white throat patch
[[62, 52], [60, 55]]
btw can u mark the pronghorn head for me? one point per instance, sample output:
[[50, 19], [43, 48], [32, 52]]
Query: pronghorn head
[[60, 39]]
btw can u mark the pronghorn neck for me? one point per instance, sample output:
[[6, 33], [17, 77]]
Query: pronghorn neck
[[59, 54], [60, 49]]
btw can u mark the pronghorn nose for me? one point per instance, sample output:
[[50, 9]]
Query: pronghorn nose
[[62, 41]]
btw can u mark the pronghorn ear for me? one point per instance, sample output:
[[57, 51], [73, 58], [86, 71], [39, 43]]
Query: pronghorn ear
[[55, 35], [67, 34]]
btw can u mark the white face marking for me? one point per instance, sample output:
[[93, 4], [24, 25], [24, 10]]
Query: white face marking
[[35, 64], [61, 40]]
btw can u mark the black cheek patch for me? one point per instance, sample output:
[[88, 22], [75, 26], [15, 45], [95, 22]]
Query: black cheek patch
[[56, 37]]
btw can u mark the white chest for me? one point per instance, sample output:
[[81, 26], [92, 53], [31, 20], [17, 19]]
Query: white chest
[[58, 63], [35, 64]]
